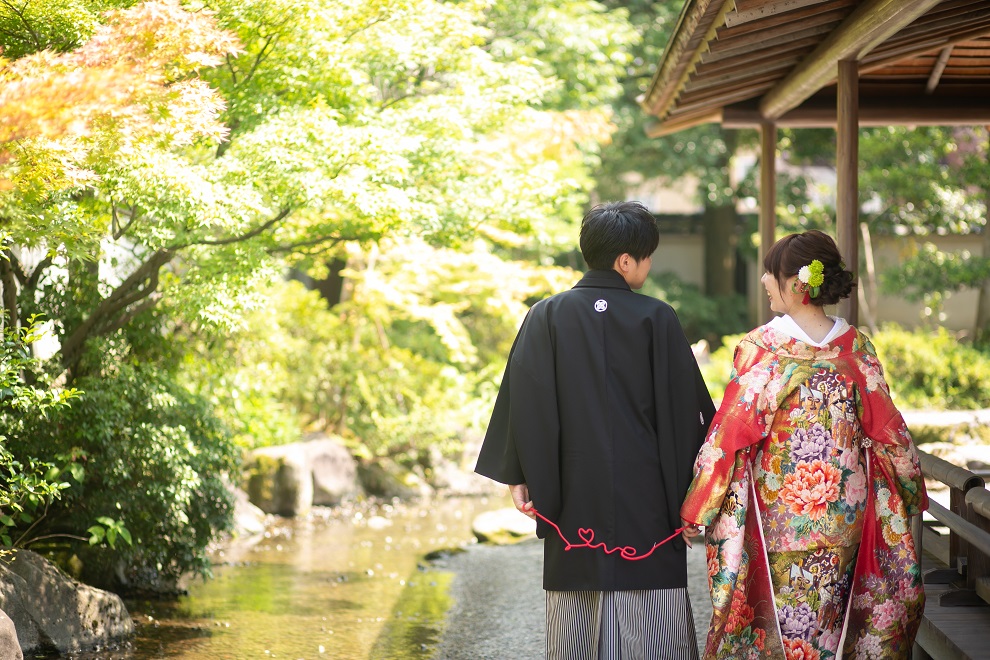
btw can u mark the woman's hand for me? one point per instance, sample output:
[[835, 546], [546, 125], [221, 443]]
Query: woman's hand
[[520, 498], [690, 531]]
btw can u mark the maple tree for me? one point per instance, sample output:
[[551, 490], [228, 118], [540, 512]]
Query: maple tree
[[164, 164]]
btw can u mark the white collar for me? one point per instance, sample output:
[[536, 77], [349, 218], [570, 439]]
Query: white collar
[[789, 327]]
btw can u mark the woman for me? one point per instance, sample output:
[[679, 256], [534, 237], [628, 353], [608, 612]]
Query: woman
[[806, 482]]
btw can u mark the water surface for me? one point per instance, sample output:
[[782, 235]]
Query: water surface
[[338, 584]]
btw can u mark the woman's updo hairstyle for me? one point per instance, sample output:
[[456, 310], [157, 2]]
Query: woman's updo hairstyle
[[788, 255]]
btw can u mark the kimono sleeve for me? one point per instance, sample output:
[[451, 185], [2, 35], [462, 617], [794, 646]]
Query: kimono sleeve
[[738, 424], [522, 444], [885, 426], [683, 407]]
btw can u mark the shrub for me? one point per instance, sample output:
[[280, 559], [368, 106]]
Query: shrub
[[28, 486], [153, 459], [924, 369], [701, 316], [933, 369], [717, 370]]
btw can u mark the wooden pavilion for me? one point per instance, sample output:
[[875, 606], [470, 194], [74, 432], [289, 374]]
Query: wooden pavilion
[[823, 63]]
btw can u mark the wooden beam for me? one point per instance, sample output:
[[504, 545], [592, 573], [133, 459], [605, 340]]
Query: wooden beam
[[879, 105], [751, 11], [847, 177], [870, 24], [683, 52], [768, 207], [749, 86], [659, 129], [898, 49], [745, 45], [831, 12], [799, 47], [943, 59]]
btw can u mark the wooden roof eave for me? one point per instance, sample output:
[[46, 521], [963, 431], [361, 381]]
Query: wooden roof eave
[[870, 24], [680, 58], [659, 129], [712, 56]]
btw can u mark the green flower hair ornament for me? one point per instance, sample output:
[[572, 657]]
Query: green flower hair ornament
[[813, 276]]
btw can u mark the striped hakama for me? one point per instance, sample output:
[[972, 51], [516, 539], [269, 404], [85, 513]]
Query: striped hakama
[[654, 624]]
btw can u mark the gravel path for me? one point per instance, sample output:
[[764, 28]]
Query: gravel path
[[499, 608]]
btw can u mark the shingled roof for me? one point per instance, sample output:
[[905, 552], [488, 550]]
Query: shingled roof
[[743, 62]]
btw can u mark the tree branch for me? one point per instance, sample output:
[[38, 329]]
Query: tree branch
[[32, 281], [233, 71], [260, 229], [119, 231], [16, 266], [123, 320], [20, 14], [292, 247], [262, 55], [130, 291], [367, 26]]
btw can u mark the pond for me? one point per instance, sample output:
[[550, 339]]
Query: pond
[[342, 583]]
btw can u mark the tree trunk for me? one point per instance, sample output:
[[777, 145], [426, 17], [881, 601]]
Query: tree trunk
[[8, 285], [720, 227], [331, 288], [720, 250]]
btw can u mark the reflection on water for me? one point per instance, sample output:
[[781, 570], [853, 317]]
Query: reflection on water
[[344, 584]]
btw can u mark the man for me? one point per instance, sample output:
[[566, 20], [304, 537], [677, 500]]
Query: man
[[595, 429]]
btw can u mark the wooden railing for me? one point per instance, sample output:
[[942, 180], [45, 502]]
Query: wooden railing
[[959, 540]]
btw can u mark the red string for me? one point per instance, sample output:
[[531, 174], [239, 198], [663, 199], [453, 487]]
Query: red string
[[588, 536]]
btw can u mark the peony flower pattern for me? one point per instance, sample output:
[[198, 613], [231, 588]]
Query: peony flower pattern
[[798, 649], [806, 406], [811, 444], [811, 488], [800, 622]]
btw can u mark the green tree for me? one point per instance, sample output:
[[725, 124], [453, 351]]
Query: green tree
[[917, 181], [703, 154], [238, 140], [28, 487]]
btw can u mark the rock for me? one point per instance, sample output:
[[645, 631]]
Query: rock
[[456, 478], [289, 480], [10, 648], [379, 522], [503, 527], [972, 456], [386, 479], [334, 471], [53, 612], [454, 481], [249, 520], [280, 480]]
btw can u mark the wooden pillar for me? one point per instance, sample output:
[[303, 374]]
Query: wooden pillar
[[847, 175], [768, 209]]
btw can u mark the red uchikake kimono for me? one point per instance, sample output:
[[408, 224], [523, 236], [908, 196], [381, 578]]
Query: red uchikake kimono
[[811, 436]]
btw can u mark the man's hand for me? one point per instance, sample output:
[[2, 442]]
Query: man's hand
[[520, 498], [690, 531]]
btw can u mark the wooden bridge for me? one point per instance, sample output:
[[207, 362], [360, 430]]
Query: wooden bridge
[[954, 545]]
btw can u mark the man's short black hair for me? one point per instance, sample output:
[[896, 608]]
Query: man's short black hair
[[615, 228]]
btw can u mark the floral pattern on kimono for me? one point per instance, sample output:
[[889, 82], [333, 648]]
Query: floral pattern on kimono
[[805, 483]]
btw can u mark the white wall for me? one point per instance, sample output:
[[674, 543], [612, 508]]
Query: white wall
[[683, 255], [959, 308]]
